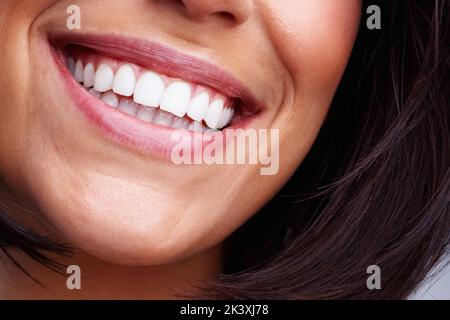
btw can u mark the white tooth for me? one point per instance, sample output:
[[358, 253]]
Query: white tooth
[[149, 89], [94, 93], [79, 71], [199, 106], [110, 99], [104, 78], [128, 106], [125, 81], [223, 117], [180, 123], [89, 75], [71, 65], [176, 98], [146, 114], [214, 113], [163, 118], [227, 115], [195, 126]]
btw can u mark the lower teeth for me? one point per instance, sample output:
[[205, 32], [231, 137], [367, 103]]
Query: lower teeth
[[148, 114]]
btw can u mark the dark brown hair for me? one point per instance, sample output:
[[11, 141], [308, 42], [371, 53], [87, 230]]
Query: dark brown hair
[[374, 189]]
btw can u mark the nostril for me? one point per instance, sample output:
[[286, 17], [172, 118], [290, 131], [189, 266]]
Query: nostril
[[179, 3], [226, 15], [236, 11]]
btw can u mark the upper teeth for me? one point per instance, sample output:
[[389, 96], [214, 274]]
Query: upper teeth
[[174, 97]]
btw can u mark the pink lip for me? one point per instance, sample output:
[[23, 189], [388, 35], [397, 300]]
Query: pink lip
[[147, 138]]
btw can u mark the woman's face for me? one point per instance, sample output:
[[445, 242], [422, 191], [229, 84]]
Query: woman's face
[[100, 168]]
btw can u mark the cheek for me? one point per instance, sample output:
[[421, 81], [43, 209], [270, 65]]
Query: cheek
[[16, 17], [315, 39]]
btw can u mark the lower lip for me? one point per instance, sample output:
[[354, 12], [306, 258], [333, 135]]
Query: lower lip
[[128, 131]]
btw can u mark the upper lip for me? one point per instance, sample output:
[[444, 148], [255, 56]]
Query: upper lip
[[164, 60]]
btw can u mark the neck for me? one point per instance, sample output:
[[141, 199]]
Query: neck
[[102, 280]]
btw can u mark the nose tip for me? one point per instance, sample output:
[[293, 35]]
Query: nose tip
[[237, 10]]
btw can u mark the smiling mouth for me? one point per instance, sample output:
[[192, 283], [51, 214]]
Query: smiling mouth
[[150, 96], [139, 92]]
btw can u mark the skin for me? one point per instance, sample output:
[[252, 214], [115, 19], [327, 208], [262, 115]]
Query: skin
[[137, 224]]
